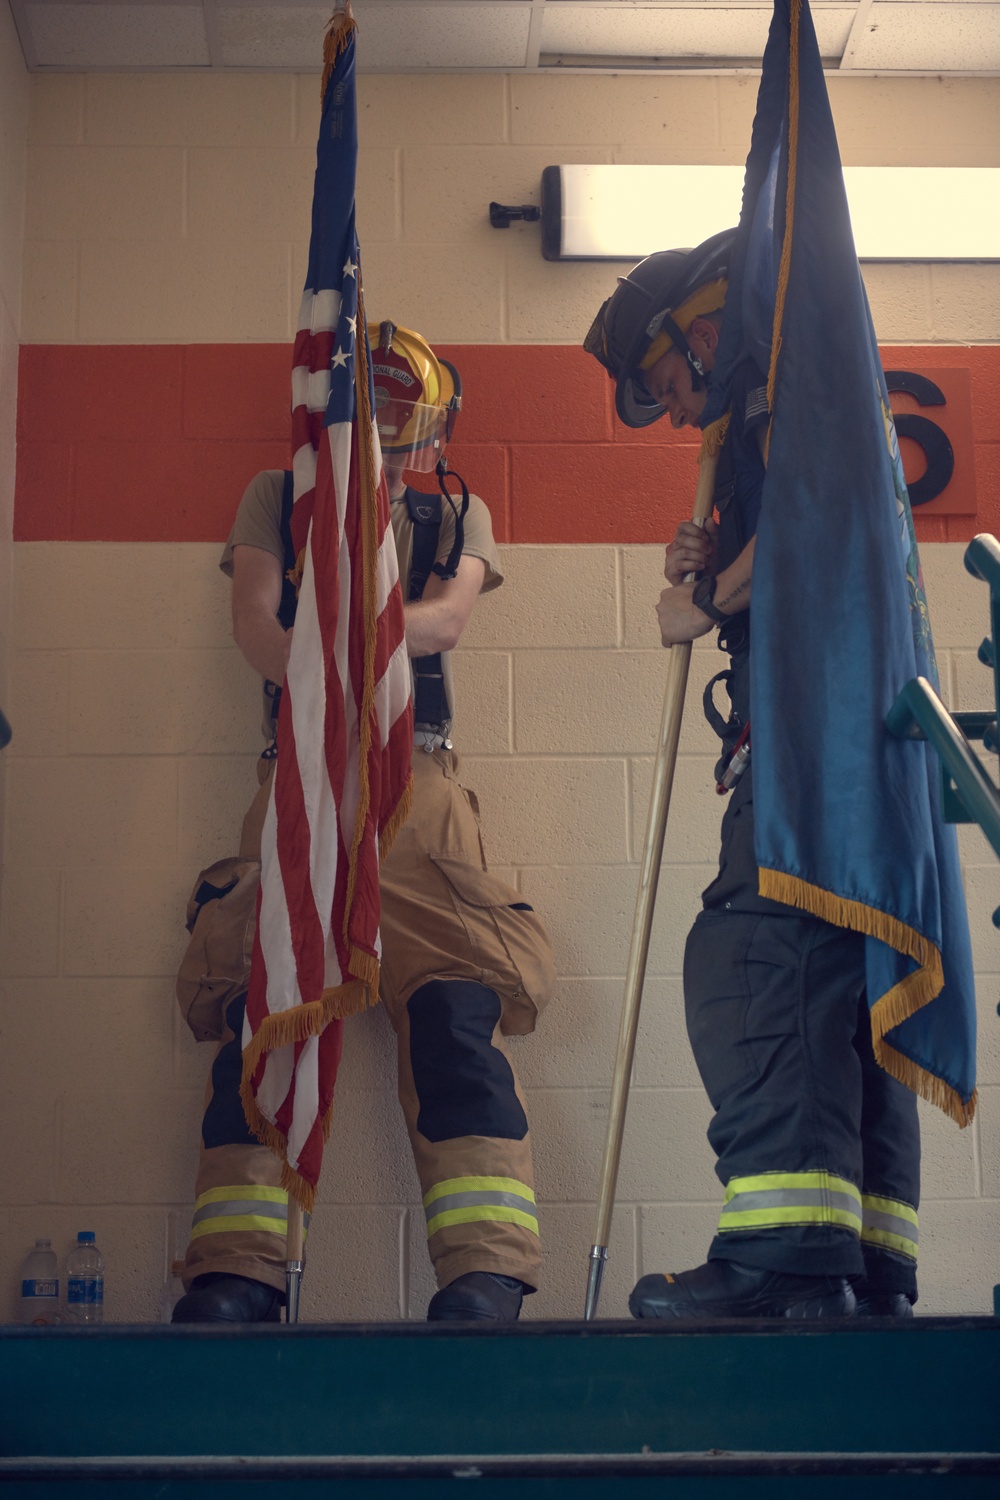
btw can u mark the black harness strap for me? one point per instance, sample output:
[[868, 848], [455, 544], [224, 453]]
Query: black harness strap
[[430, 702], [286, 609], [289, 600]]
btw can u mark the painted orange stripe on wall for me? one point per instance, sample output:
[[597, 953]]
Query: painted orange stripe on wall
[[155, 443]]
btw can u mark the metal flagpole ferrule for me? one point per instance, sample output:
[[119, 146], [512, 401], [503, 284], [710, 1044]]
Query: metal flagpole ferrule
[[598, 1260], [293, 1285]]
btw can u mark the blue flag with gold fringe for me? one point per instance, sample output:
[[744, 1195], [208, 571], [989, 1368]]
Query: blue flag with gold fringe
[[849, 823]]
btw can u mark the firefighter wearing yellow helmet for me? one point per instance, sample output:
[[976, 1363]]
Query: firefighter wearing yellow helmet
[[465, 961], [417, 397]]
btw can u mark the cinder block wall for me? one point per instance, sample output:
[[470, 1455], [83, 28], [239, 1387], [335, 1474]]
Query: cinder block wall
[[172, 210]]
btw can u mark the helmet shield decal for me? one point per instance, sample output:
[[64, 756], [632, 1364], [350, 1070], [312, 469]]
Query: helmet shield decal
[[416, 397]]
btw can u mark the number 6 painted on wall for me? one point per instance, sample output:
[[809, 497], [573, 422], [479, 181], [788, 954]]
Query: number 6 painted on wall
[[929, 437]]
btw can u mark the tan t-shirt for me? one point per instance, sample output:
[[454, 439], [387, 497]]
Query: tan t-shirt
[[258, 524]]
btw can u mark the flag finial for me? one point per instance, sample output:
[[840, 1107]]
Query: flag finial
[[339, 28]]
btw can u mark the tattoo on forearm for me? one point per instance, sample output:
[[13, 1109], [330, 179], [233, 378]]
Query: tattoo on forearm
[[731, 598]]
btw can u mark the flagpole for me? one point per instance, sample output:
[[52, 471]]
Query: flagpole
[[293, 1261], [649, 874]]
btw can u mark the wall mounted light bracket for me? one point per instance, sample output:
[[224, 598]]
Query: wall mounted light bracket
[[502, 216]]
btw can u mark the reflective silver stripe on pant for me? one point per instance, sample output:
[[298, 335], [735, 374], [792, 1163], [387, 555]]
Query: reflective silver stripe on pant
[[793, 1198], [479, 1200], [894, 1231], [267, 1209]]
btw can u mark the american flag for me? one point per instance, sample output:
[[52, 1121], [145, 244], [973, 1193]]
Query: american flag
[[345, 727]]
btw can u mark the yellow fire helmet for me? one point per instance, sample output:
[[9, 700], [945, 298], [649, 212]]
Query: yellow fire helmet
[[417, 396]]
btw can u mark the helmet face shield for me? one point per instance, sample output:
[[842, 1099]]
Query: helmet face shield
[[410, 429], [633, 403]]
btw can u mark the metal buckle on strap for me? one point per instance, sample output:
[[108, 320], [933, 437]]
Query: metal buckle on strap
[[430, 739]]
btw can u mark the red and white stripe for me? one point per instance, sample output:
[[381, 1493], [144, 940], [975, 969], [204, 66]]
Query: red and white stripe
[[316, 959]]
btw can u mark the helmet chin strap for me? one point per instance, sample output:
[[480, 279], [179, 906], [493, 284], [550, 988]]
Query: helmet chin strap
[[699, 380], [680, 343], [449, 568]]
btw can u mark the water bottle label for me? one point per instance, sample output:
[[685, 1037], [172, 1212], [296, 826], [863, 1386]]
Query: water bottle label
[[85, 1291], [39, 1288]]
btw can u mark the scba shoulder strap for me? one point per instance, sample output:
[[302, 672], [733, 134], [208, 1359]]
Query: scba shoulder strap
[[289, 599], [430, 701], [286, 609], [425, 517]]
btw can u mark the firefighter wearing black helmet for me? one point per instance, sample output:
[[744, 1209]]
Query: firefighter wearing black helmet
[[817, 1147]]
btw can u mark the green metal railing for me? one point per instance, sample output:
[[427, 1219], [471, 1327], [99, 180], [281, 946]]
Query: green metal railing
[[969, 794]]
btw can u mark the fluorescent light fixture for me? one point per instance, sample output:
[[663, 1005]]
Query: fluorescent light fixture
[[624, 212]]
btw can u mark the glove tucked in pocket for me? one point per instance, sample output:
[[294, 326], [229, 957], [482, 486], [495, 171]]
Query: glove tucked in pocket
[[221, 918]]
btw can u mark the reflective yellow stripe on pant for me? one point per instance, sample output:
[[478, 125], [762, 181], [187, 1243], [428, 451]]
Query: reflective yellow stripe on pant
[[480, 1200], [775, 1199], [241, 1209], [889, 1224]]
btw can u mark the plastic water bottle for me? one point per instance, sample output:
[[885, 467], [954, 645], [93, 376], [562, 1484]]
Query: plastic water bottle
[[85, 1281], [40, 1286]]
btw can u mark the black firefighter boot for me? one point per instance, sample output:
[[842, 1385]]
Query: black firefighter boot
[[477, 1297], [888, 1288], [218, 1298], [726, 1289]]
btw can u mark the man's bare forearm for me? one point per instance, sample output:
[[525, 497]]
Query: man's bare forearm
[[264, 642], [732, 585]]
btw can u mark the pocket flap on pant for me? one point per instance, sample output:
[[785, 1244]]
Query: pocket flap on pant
[[477, 887], [518, 936], [221, 917]]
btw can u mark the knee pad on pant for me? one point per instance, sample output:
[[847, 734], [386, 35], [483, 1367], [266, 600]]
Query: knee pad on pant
[[224, 1123], [464, 1084]]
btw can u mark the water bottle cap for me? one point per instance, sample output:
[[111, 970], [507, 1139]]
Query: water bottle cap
[[85, 1237], [43, 1244]]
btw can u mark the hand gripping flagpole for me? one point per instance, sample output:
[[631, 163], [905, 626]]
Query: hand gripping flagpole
[[649, 874], [293, 1260]]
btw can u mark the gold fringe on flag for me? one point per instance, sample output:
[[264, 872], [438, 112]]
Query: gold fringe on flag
[[285, 1030], [339, 28], [896, 1005], [713, 437]]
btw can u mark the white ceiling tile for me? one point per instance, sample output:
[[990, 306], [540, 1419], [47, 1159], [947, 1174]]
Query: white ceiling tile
[[253, 36], [479, 35], [390, 37], [935, 36], [118, 36], [692, 32]]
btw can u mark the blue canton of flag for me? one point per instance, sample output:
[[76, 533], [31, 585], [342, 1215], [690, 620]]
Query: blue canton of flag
[[848, 819]]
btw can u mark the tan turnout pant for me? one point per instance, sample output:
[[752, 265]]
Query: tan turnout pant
[[464, 963]]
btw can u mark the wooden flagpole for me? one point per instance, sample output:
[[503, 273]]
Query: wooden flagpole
[[649, 874]]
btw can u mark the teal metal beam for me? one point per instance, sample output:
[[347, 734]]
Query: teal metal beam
[[865, 1386]]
